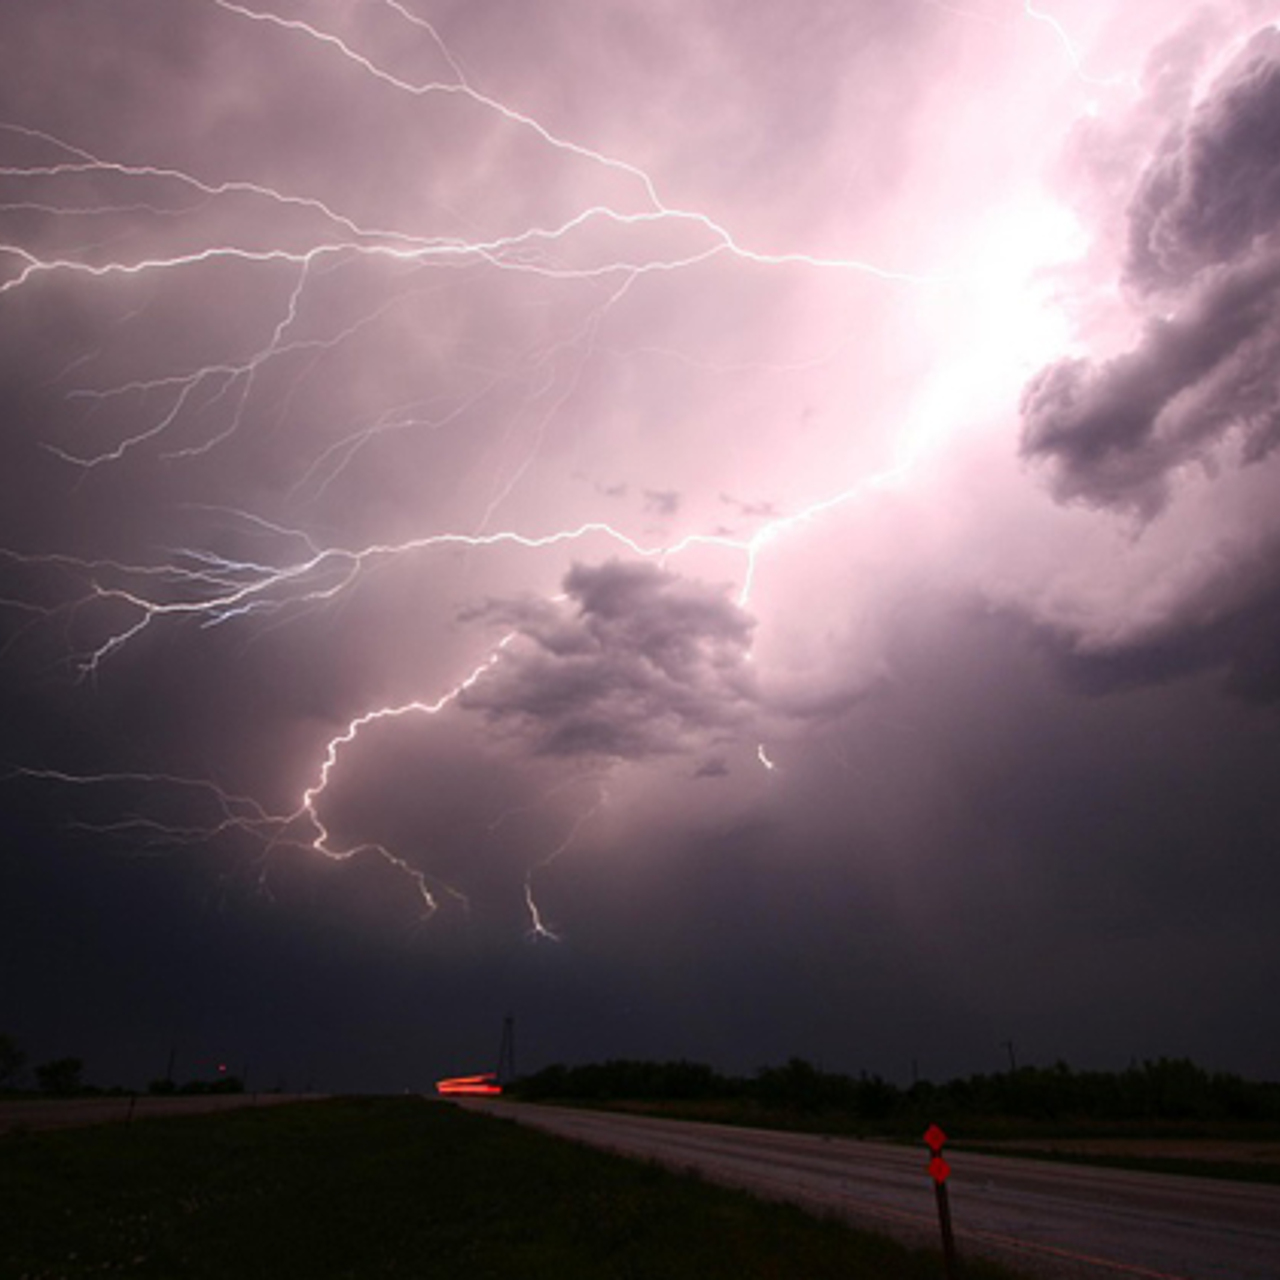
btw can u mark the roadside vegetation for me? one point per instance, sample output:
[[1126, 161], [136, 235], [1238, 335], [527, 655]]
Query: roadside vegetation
[[397, 1188], [1163, 1092], [65, 1078], [1155, 1101]]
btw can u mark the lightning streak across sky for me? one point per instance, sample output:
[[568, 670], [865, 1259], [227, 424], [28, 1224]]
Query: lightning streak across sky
[[349, 346]]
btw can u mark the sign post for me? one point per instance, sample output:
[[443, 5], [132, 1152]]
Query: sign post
[[940, 1171]]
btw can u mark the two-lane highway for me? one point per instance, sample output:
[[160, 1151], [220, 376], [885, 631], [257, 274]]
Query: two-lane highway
[[1049, 1220]]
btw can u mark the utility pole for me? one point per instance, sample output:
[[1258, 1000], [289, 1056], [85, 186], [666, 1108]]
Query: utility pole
[[1013, 1062]]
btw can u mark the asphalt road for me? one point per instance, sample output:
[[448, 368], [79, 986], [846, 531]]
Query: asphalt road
[[1048, 1220]]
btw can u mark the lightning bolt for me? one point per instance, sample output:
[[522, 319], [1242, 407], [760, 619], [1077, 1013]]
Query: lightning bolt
[[538, 928], [1071, 48], [190, 413], [322, 842]]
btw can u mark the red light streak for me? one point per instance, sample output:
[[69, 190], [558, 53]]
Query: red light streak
[[481, 1086]]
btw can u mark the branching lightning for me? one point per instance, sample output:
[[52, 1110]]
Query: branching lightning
[[1072, 50], [119, 600]]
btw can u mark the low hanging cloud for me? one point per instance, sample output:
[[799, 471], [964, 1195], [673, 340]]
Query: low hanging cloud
[[1203, 257], [631, 662], [1229, 625]]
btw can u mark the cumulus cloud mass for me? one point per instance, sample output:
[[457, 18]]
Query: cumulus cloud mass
[[1203, 261], [632, 662], [724, 530]]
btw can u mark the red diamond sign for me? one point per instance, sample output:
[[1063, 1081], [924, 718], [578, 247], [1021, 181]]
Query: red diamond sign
[[939, 1169], [934, 1138]]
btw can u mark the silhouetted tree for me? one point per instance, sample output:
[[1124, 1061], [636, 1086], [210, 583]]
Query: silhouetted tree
[[12, 1060], [61, 1076], [1165, 1090], [626, 1079]]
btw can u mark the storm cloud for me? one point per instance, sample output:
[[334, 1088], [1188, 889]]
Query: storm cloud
[[634, 661], [1204, 251], [720, 530]]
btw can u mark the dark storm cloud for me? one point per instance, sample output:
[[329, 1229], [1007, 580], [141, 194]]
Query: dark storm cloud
[[761, 510], [1214, 187], [712, 768], [1115, 432], [663, 502], [636, 662], [1230, 627], [942, 845], [1203, 244]]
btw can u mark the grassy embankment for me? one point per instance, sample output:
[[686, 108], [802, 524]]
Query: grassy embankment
[[394, 1187]]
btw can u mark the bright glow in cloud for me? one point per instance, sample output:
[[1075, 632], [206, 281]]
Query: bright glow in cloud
[[595, 412]]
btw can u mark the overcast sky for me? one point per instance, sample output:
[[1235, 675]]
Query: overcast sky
[[720, 530]]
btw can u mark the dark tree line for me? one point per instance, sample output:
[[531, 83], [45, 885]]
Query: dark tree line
[[1164, 1090], [627, 1080], [59, 1077], [64, 1077], [12, 1060]]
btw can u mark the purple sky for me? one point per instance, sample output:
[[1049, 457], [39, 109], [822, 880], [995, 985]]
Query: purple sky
[[721, 530]]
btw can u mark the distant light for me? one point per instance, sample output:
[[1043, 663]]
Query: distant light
[[485, 1085]]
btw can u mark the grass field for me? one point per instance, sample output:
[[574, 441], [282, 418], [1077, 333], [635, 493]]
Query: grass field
[[1230, 1160], [394, 1187]]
